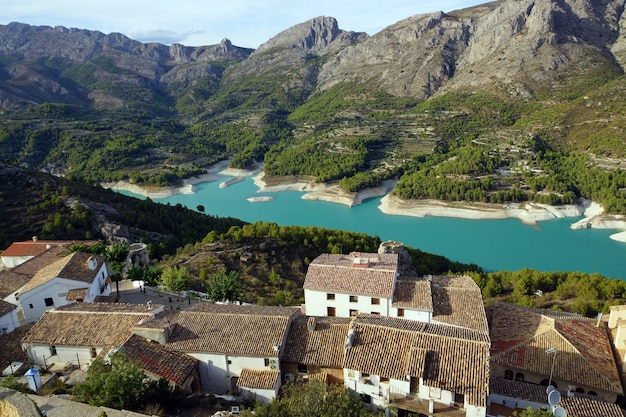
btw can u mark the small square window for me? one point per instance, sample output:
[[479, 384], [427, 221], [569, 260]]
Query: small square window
[[49, 302], [400, 312], [354, 299], [375, 313], [354, 313], [375, 301], [330, 311], [330, 296], [302, 368]]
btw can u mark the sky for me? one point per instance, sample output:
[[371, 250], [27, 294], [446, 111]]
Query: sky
[[247, 23]]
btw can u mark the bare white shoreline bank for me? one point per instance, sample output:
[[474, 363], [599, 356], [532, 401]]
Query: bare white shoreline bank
[[529, 213]]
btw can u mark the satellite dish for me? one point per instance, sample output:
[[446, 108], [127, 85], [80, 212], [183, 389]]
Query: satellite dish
[[554, 397], [549, 389], [559, 412]]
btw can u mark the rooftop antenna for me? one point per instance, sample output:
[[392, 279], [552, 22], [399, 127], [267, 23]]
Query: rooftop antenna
[[550, 352]]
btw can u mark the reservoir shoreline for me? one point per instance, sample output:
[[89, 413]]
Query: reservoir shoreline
[[390, 204]]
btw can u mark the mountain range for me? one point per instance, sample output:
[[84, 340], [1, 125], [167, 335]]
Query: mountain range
[[319, 101]]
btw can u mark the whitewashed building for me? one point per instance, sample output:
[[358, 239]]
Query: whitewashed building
[[238, 346], [76, 334], [346, 285], [82, 275], [369, 283]]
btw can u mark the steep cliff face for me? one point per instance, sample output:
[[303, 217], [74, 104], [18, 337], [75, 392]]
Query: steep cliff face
[[413, 57], [524, 43], [515, 43]]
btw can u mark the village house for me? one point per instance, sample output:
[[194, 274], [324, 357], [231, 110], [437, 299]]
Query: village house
[[432, 369], [12, 280], [83, 275], [315, 346], [344, 285], [75, 334], [347, 285], [238, 346], [534, 348]]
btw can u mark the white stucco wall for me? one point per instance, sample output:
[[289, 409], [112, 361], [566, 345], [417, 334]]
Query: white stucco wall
[[264, 395], [76, 355], [13, 261], [317, 303], [513, 402], [415, 315], [377, 388], [475, 411], [216, 371], [9, 322]]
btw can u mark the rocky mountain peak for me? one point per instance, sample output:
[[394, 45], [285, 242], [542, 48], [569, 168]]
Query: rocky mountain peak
[[312, 35]]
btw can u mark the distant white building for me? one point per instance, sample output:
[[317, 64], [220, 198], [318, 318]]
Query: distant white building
[[78, 276]]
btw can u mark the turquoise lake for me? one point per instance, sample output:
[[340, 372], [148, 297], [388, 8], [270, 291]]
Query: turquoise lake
[[493, 244]]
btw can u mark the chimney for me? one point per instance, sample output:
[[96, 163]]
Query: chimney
[[92, 263], [35, 238]]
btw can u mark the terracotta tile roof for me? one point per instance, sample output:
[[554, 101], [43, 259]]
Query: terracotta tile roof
[[12, 347], [32, 266], [576, 406], [520, 337], [76, 294], [521, 390], [159, 360], [413, 294], [37, 247], [258, 379], [73, 267], [321, 346], [585, 407], [370, 274], [125, 308], [231, 329], [6, 307], [10, 282], [458, 301], [94, 328], [439, 354]]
